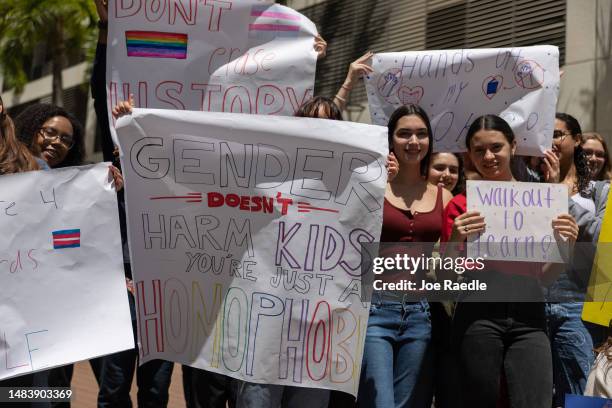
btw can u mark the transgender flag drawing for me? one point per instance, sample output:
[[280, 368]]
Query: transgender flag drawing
[[155, 44], [66, 238], [269, 22]]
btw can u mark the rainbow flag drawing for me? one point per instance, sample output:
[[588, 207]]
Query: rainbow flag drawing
[[66, 238], [155, 44], [274, 21]]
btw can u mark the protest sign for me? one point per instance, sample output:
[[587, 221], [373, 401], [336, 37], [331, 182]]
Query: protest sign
[[518, 219], [245, 236], [247, 56], [456, 86], [600, 284], [62, 287]]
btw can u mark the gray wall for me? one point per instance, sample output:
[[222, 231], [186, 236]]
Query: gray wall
[[586, 86]]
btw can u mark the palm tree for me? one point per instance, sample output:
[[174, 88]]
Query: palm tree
[[64, 26]]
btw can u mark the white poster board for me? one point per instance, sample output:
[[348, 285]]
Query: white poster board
[[63, 296], [245, 237], [247, 56], [518, 219], [455, 87]]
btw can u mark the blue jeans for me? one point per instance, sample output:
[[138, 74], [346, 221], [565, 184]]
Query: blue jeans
[[572, 349], [398, 359]]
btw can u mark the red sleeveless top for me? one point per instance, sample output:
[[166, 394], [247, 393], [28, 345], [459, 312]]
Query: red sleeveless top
[[405, 226]]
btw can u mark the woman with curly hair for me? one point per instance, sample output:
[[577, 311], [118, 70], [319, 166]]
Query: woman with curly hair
[[571, 342], [574, 168], [54, 135], [51, 133], [596, 150]]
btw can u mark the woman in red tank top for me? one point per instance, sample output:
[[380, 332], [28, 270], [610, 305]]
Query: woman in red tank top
[[397, 363]]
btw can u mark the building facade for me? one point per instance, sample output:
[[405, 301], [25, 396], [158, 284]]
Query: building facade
[[582, 29]]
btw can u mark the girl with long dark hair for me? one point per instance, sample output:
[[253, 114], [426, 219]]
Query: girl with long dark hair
[[397, 366], [446, 168], [14, 158], [505, 341]]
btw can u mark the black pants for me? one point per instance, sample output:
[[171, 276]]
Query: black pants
[[153, 378], [62, 376], [446, 370], [205, 389], [509, 339]]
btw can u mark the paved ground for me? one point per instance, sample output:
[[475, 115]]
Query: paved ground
[[86, 389]]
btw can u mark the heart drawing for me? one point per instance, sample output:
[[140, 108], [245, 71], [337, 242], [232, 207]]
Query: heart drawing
[[408, 95], [492, 85]]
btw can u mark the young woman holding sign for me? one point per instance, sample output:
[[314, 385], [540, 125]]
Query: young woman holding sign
[[571, 339], [501, 341], [397, 366], [56, 138]]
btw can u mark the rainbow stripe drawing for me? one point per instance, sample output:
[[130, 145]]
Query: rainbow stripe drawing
[[268, 22], [155, 44]]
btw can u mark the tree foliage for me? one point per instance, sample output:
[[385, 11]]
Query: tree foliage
[[64, 27]]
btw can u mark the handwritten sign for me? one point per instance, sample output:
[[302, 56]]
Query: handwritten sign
[[62, 286], [518, 219], [600, 284], [245, 235], [457, 86], [247, 56]]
